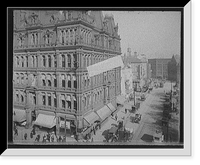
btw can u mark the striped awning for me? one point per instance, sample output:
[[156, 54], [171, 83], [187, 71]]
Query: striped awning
[[103, 112], [91, 118], [111, 106], [47, 121]]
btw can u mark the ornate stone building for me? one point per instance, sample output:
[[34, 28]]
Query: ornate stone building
[[51, 52]]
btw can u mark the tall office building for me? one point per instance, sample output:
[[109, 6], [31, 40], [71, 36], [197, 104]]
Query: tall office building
[[51, 50]]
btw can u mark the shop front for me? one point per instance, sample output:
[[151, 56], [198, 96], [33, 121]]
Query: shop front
[[66, 124]]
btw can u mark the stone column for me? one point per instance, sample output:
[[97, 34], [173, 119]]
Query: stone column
[[58, 80], [28, 118], [58, 99]]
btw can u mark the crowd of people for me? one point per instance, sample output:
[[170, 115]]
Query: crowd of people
[[40, 137]]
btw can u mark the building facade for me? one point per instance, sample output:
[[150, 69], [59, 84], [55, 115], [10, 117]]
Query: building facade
[[159, 67], [51, 52], [140, 72]]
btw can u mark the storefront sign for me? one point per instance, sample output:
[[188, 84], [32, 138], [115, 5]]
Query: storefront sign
[[62, 124]]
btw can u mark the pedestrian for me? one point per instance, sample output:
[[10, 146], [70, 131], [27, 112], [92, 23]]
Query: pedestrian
[[60, 139], [92, 140], [25, 136], [48, 136], [63, 140], [16, 132], [99, 125], [116, 117], [125, 110], [52, 138], [34, 131], [31, 135], [94, 131], [36, 139], [44, 139]]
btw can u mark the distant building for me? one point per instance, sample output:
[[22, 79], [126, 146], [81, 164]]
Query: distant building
[[126, 81], [159, 67], [139, 66], [174, 69]]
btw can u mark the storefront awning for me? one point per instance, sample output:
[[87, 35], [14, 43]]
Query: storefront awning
[[47, 121], [104, 112], [120, 99], [111, 106], [19, 115], [91, 118]]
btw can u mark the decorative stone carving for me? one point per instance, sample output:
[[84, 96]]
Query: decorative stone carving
[[34, 18]]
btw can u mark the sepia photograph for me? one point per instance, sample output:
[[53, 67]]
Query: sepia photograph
[[90, 78]]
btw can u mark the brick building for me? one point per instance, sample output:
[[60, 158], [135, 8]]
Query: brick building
[[51, 50], [159, 67]]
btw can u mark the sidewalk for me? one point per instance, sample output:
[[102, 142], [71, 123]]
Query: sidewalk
[[99, 138]]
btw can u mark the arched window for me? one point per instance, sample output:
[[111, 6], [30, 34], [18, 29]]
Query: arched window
[[54, 100], [69, 60], [74, 80], [22, 59], [43, 79], [68, 99], [17, 96], [75, 102], [49, 99], [22, 98], [75, 60], [63, 61], [34, 99], [49, 61], [44, 61], [22, 78], [54, 80], [69, 81], [63, 103], [48, 80], [63, 80], [43, 99]]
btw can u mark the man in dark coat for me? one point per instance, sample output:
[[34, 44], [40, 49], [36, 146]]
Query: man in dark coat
[[25, 136]]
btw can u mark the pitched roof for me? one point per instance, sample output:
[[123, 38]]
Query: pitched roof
[[177, 58], [98, 18]]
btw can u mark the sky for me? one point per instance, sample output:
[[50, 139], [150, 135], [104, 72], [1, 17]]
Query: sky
[[153, 33]]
